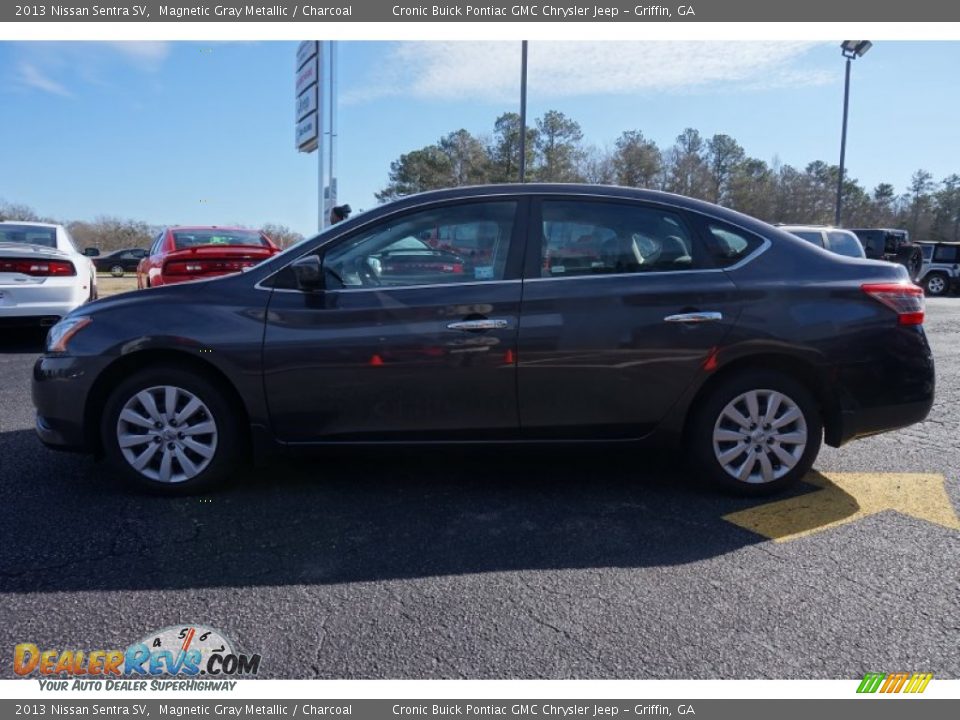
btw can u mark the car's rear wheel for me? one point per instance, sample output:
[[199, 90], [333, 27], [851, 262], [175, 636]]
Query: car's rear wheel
[[117, 271], [170, 431], [756, 433], [936, 284]]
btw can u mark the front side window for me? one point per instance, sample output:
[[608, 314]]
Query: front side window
[[591, 238], [442, 245]]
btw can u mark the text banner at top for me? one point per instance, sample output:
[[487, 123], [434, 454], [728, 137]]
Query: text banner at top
[[392, 11]]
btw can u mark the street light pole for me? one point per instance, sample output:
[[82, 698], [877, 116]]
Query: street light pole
[[523, 111], [851, 50]]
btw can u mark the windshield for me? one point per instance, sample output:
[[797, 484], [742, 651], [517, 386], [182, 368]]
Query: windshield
[[29, 234], [193, 238]]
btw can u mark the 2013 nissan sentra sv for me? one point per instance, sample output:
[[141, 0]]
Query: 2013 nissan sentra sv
[[578, 313]]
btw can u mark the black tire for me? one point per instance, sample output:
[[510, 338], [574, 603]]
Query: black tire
[[936, 284], [227, 447], [700, 439], [117, 271]]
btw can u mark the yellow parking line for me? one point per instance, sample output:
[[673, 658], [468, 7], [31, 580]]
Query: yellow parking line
[[846, 497]]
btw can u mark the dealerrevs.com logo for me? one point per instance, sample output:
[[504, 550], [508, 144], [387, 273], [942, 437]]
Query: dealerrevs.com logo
[[909, 683], [198, 657]]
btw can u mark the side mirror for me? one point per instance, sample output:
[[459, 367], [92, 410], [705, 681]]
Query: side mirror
[[308, 273], [91, 252]]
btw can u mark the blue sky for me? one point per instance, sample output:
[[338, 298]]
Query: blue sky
[[182, 132]]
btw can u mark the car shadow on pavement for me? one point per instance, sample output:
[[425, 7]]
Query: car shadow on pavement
[[356, 515]]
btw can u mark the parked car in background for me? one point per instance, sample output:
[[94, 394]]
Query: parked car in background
[[842, 242], [180, 254], [891, 245], [42, 275], [118, 262], [940, 273], [695, 327]]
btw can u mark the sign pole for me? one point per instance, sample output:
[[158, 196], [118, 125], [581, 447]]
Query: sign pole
[[322, 218], [332, 150]]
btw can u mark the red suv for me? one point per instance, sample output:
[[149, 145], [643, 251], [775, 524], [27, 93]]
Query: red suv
[[179, 254]]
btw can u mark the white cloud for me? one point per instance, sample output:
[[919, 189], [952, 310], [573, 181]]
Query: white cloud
[[148, 55], [490, 70], [53, 66], [31, 76]]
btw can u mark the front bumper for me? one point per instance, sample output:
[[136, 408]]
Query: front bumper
[[61, 392]]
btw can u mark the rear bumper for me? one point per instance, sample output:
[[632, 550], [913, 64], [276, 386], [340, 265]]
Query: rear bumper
[[890, 387]]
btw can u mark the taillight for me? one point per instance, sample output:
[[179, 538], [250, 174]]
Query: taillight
[[905, 299], [38, 268], [200, 267]]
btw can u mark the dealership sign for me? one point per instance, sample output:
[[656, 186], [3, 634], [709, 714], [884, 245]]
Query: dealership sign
[[306, 91], [307, 132], [307, 102]]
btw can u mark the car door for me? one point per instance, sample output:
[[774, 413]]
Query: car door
[[413, 336], [621, 308]]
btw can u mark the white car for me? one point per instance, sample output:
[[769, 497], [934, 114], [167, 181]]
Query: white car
[[42, 274]]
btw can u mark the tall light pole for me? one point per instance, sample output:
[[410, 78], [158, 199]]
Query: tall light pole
[[523, 111], [851, 49]]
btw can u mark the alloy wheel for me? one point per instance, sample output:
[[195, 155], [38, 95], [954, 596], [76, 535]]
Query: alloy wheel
[[167, 434], [759, 436]]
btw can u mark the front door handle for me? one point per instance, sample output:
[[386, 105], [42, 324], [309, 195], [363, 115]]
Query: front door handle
[[694, 317], [484, 324]]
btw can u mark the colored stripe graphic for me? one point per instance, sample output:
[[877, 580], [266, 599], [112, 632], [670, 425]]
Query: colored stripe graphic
[[871, 682], [894, 682]]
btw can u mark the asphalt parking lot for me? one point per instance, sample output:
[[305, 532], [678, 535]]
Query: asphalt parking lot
[[500, 563]]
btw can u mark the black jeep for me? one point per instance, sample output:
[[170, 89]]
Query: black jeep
[[892, 246]]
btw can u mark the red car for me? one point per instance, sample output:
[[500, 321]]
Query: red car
[[179, 254]]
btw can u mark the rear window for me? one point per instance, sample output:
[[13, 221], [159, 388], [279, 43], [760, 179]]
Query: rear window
[[29, 234], [811, 236], [183, 239], [845, 244]]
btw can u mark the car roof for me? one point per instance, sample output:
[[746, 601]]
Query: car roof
[[229, 228], [31, 223], [571, 189], [788, 227]]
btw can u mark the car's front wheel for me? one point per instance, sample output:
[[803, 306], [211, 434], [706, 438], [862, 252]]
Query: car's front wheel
[[117, 271], [170, 431], [756, 433], [936, 284]]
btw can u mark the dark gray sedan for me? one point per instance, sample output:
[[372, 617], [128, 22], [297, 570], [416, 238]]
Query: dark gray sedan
[[565, 313]]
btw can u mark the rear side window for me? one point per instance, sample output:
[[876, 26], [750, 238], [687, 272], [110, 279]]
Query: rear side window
[[582, 237], [845, 244], [183, 239], [728, 246], [29, 234], [946, 254]]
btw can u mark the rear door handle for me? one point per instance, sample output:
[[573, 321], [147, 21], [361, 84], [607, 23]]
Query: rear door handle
[[485, 324], [694, 317]]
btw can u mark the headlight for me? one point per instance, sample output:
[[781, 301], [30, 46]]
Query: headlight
[[61, 333]]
